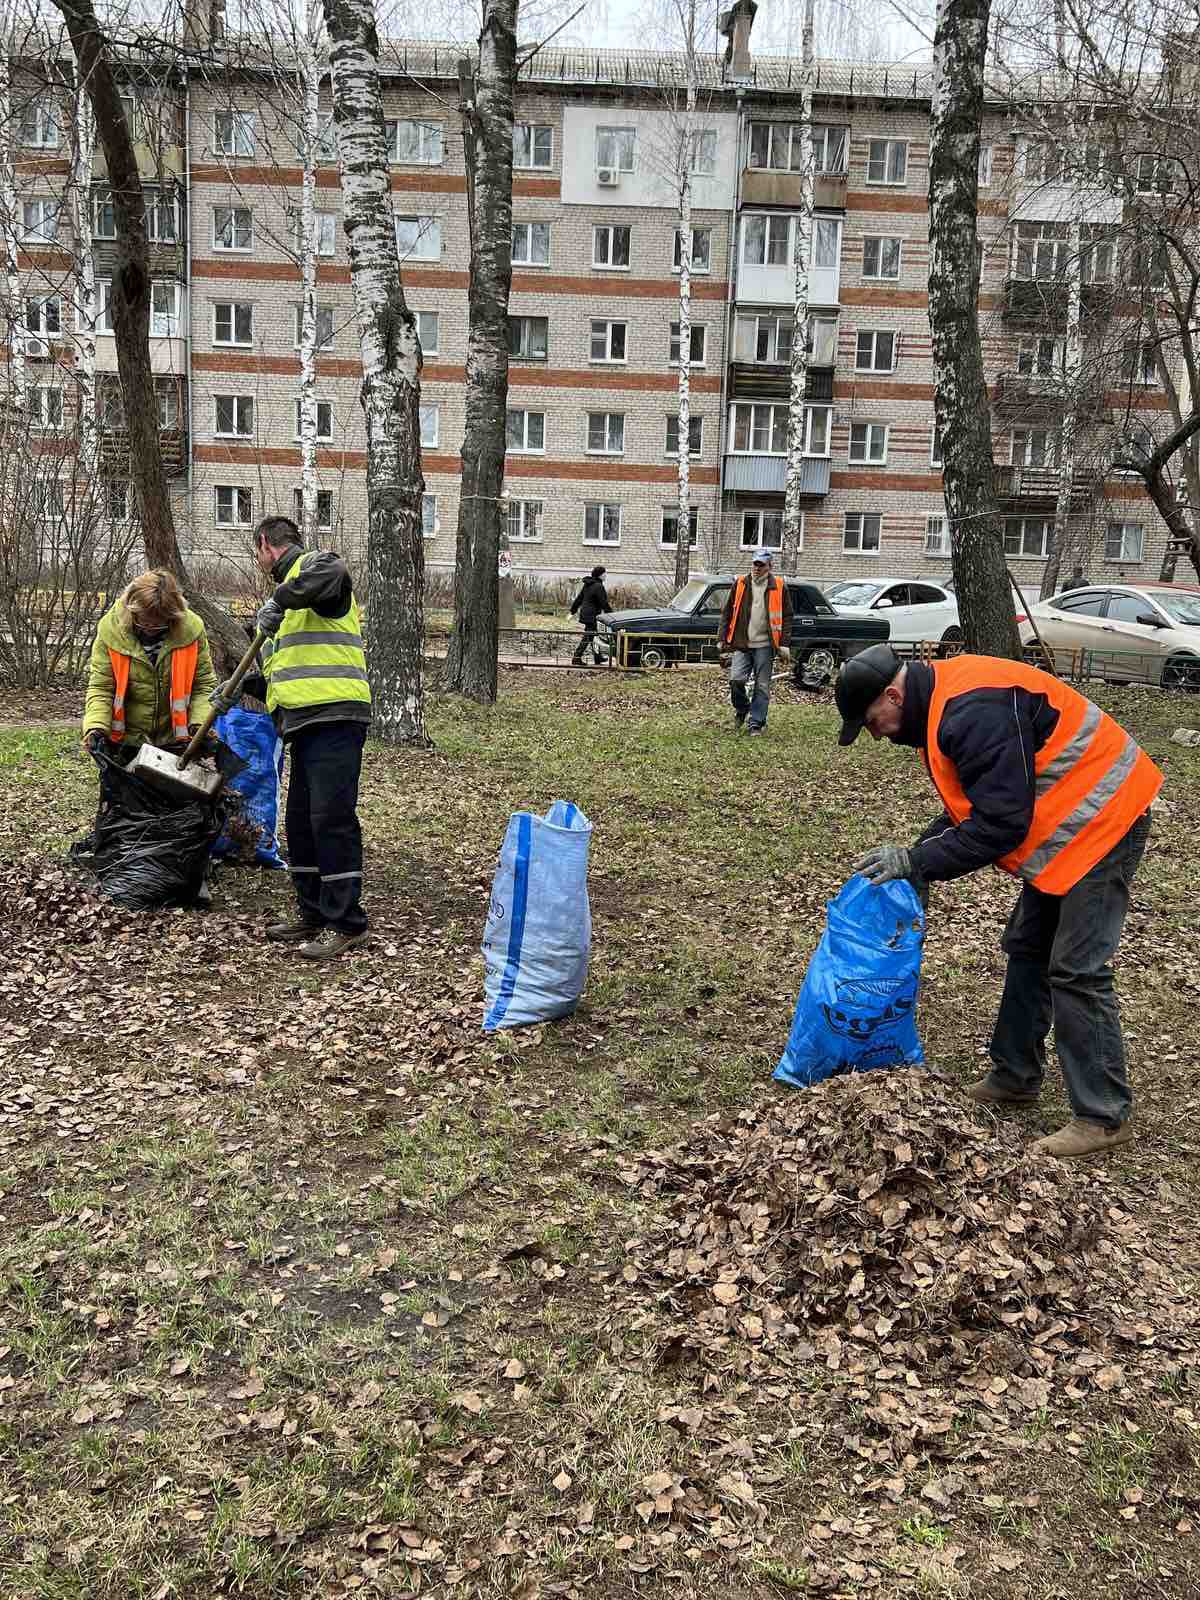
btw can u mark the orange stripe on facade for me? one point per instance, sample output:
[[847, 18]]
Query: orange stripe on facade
[[426, 181], [882, 297], [521, 467], [873, 200], [445, 372], [916, 483]]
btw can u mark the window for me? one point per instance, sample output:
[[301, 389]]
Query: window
[[524, 521], [427, 332], [860, 533], [759, 429], [881, 257], [419, 238], [669, 532], [39, 123], [1041, 358], [232, 506], [324, 508], [868, 442], [233, 322], [777, 146], [701, 250], [233, 133], [528, 337], [1148, 265], [1043, 161], [233, 228], [324, 410], [875, 352], [608, 341], [104, 220], [984, 170], [324, 232], [695, 436], [1098, 257], [935, 446], [1124, 541], [430, 521], [1041, 249], [430, 425], [43, 315], [327, 140], [1139, 362], [826, 241], [614, 148], [39, 220], [1088, 605], [110, 404], [531, 244], [1153, 174], [1129, 608], [766, 338], [606, 433], [696, 343], [416, 144], [234, 416], [533, 146], [762, 528], [601, 523], [1027, 536], [816, 430], [703, 152], [610, 247], [48, 500], [525, 431], [829, 149], [887, 161], [164, 309], [116, 501], [323, 316], [937, 536], [162, 218], [1033, 447], [46, 407], [168, 405], [765, 240]]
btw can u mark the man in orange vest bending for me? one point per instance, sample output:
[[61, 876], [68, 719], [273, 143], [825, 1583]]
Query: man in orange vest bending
[[1038, 781]]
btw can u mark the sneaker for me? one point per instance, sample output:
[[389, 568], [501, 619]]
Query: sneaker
[[330, 942], [292, 932], [985, 1093], [1081, 1137], [751, 731]]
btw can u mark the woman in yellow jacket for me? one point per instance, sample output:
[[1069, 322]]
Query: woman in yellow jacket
[[151, 672]]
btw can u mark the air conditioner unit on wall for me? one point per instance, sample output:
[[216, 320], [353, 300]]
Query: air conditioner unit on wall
[[37, 349], [607, 177]]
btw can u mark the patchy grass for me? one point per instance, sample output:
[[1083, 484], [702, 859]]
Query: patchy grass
[[305, 1284]]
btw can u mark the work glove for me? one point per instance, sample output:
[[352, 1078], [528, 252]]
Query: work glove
[[93, 741], [223, 699], [270, 616], [884, 863]]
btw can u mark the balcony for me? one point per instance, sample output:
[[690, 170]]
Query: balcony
[[768, 475], [772, 380], [1038, 486], [761, 188], [115, 453], [1042, 302], [1039, 397]]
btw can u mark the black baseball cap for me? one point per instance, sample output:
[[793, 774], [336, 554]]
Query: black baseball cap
[[860, 683]]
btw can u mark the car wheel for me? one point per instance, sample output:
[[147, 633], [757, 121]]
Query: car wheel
[[1182, 672], [655, 656], [816, 667], [951, 643]]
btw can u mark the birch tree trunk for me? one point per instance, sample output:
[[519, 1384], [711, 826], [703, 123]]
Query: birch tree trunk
[[17, 369], [797, 413], [683, 174], [391, 386], [83, 274], [985, 602], [310, 87], [471, 659], [1072, 369]]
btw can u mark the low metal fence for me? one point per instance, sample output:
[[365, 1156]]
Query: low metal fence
[[1148, 668]]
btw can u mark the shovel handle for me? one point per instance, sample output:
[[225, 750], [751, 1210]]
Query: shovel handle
[[239, 672]]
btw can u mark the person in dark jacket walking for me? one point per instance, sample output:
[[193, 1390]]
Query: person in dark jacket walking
[[590, 603], [1038, 781], [315, 686]]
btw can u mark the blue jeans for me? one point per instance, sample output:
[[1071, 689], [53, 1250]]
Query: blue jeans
[[1060, 950], [756, 664]]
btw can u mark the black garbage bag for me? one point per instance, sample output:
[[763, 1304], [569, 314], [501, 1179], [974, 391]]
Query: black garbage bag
[[149, 849]]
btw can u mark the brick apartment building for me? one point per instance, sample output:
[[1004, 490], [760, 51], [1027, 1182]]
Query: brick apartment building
[[592, 437]]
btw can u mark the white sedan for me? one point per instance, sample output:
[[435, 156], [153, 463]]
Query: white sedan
[[916, 609], [1126, 634]]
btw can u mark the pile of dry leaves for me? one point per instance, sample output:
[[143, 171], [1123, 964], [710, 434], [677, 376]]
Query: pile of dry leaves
[[878, 1225]]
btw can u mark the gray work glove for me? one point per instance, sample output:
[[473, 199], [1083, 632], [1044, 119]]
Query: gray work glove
[[884, 863], [222, 699], [270, 616]]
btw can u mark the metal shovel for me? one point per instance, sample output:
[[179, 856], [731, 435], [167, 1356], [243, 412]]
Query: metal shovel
[[173, 773]]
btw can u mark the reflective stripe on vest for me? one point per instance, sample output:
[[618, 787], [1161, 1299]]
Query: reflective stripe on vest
[[1091, 780], [316, 660], [183, 673], [774, 609]]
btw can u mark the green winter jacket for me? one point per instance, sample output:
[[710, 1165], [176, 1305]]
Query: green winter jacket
[[148, 700]]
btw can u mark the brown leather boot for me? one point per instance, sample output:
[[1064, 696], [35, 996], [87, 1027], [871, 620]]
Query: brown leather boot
[[985, 1093], [1081, 1137]]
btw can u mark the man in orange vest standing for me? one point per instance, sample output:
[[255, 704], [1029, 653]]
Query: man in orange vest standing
[[756, 626], [1038, 781]]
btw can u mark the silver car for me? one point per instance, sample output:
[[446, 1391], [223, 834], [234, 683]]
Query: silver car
[[1128, 634]]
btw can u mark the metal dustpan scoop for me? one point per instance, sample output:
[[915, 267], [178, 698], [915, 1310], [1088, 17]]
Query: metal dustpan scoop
[[175, 774]]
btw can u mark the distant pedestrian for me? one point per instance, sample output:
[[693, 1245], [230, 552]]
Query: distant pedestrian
[[590, 603], [756, 626]]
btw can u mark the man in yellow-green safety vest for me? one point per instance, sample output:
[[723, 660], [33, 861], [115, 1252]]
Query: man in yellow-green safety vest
[[315, 686]]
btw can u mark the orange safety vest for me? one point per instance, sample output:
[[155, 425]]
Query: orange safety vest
[[774, 609], [1092, 780], [183, 671]]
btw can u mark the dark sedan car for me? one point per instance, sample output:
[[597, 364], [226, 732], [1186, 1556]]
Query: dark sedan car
[[685, 629]]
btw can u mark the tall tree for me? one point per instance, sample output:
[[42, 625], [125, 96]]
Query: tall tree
[[797, 413], [960, 391], [391, 384], [487, 112], [685, 161], [17, 368]]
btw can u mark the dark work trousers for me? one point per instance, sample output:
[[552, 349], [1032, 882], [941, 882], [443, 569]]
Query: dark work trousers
[[1060, 950], [588, 642], [324, 839]]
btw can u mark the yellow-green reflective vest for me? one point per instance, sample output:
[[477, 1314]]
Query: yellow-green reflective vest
[[316, 660]]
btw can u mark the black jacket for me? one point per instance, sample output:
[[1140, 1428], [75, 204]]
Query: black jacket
[[991, 736], [591, 600]]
